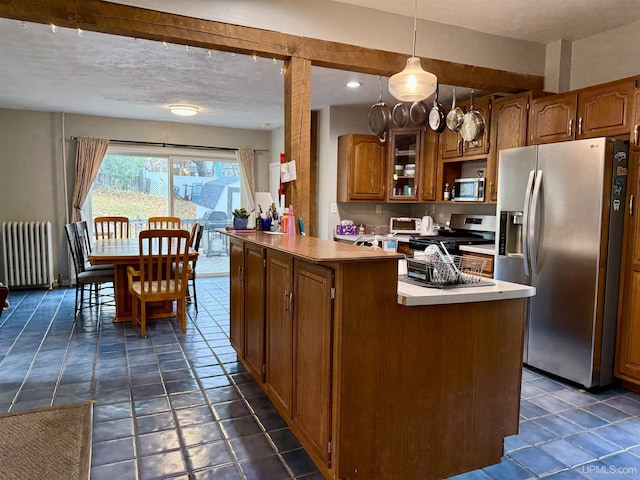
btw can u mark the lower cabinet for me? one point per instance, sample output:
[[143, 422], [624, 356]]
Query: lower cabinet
[[254, 300], [236, 279]]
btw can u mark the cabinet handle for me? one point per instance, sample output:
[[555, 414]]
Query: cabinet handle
[[580, 126], [240, 275], [570, 126], [490, 187], [459, 147], [635, 134], [291, 304], [631, 205], [285, 304]]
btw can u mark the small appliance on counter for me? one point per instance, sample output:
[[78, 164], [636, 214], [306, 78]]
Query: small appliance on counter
[[405, 225], [469, 189]]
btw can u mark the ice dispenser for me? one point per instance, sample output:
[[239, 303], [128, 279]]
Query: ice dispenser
[[510, 240]]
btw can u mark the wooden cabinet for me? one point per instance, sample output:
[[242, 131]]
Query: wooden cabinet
[[451, 143], [509, 117], [552, 119], [362, 161], [254, 300], [603, 110], [429, 166], [628, 337], [405, 153], [236, 279], [312, 350], [279, 319], [635, 119]]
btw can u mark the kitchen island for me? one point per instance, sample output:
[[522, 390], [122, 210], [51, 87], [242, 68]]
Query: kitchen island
[[372, 387]]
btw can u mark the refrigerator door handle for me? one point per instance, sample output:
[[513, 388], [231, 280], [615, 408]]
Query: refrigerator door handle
[[525, 222], [532, 223]]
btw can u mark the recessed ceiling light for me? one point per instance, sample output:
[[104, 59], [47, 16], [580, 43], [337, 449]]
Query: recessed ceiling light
[[354, 84], [183, 110]]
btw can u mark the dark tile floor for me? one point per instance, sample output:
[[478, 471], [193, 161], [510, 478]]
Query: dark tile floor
[[179, 406]]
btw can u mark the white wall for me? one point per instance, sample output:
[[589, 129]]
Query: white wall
[[606, 57], [32, 181]]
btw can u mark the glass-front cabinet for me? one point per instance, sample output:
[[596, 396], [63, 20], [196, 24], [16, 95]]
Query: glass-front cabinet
[[404, 164]]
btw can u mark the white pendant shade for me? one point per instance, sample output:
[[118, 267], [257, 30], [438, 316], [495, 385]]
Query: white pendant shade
[[412, 84]]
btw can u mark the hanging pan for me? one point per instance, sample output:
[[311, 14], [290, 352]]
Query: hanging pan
[[400, 115], [380, 117], [437, 115], [473, 124], [418, 113], [455, 117]]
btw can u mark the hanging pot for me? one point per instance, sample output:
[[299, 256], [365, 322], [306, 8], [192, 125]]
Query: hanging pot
[[379, 120], [437, 115], [418, 113], [473, 124], [400, 115], [455, 117]]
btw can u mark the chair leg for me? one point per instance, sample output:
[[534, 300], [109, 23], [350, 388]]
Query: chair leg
[[143, 318], [134, 310], [182, 315], [195, 294], [77, 304]]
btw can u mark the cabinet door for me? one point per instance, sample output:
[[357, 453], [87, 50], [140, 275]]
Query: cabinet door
[[279, 355], [509, 116], [236, 278], [450, 144], [313, 325], [552, 119], [635, 122], [405, 148], [628, 338], [481, 145], [254, 310], [429, 166], [605, 110], [361, 168]]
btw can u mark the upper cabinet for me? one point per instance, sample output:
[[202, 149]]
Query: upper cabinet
[[429, 166], [635, 118], [451, 143], [603, 110], [362, 161], [405, 148], [509, 117]]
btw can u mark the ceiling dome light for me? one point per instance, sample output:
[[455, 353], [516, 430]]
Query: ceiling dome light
[[413, 84], [353, 84], [183, 110]]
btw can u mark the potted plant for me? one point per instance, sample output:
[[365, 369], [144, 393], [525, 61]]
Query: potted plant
[[240, 219]]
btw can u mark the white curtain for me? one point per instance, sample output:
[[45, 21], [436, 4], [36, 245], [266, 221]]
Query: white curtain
[[247, 180], [89, 155]]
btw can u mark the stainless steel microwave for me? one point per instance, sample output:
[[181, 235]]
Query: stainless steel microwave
[[469, 189]]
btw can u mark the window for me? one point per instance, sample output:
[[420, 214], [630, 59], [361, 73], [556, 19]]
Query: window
[[140, 182]]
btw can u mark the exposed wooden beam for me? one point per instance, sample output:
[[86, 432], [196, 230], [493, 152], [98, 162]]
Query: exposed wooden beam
[[113, 18]]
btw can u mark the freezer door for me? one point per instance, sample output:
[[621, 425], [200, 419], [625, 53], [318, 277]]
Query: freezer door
[[566, 238], [514, 168]]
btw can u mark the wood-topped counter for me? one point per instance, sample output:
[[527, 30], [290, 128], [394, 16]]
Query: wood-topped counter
[[374, 389], [313, 249]]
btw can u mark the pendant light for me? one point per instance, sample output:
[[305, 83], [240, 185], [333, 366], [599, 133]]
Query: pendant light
[[413, 84]]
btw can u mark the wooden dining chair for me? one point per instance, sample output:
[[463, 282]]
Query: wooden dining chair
[[163, 223], [111, 227], [162, 274], [195, 244]]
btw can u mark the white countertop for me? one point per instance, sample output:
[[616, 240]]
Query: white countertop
[[412, 295]]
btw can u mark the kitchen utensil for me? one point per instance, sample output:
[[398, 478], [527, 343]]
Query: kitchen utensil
[[400, 114], [380, 117], [437, 116], [426, 226], [418, 113], [455, 117], [473, 124]]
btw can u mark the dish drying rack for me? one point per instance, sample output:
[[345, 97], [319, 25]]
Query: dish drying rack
[[439, 269]]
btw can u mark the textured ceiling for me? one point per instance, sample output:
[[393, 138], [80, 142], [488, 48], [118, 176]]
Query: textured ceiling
[[106, 75]]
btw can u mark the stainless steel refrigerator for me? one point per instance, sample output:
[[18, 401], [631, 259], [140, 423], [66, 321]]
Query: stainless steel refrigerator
[[561, 211]]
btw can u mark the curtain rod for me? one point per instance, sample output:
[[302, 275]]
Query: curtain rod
[[178, 145]]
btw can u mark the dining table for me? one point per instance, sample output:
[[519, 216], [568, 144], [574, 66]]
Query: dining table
[[122, 253]]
